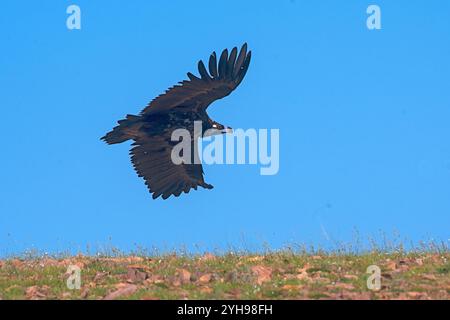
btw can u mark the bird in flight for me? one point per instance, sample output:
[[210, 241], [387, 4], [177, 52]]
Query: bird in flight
[[179, 107]]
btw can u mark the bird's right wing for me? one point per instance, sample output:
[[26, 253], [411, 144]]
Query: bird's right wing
[[151, 158], [223, 77]]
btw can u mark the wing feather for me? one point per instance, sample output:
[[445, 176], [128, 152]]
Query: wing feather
[[223, 64], [240, 60], [151, 158], [213, 65], [200, 92], [231, 62], [203, 72]]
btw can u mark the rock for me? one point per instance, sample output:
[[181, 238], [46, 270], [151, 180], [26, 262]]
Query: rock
[[136, 274], [125, 289], [66, 295], [429, 276], [415, 295], [48, 262], [206, 290], [16, 263], [303, 273], [100, 276], [135, 259], [207, 257], [184, 276], [36, 292], [263, 274], [154, 279], [391, 266], [205, 278], [84, 293]]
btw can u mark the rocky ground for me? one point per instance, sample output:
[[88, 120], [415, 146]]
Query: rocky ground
[[281, 275]]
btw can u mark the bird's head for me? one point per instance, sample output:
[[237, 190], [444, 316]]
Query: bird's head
[[215, 128]]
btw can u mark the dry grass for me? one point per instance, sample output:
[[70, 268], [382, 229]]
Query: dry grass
[[273, 275]]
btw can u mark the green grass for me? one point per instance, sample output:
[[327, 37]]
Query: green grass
[[273, 275]]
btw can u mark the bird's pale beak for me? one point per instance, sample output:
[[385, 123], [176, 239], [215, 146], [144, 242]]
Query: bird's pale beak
[[227, 130]]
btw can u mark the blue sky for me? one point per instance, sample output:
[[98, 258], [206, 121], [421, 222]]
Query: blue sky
[[363, 118]]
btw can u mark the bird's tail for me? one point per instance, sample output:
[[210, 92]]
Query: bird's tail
[[127, 129]]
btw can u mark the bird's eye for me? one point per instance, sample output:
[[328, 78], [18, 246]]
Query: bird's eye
[[214, 125]]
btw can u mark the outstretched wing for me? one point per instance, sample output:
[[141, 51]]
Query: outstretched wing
[[151, 158], [223, 77]]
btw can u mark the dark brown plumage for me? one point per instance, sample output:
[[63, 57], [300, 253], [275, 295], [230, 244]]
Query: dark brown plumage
[[177, 108]]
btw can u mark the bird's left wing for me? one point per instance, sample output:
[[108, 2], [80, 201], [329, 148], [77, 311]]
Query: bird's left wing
[[151, 158], [223, 77]]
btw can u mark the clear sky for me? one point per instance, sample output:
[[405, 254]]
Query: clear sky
[[363, 118]]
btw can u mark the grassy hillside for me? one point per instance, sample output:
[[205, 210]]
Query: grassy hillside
[[281, 275]]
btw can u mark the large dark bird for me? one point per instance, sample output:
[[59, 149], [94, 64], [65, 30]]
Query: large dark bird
[[177, 108]]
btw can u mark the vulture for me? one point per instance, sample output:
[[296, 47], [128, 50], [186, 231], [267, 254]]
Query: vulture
[[178, 108]]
